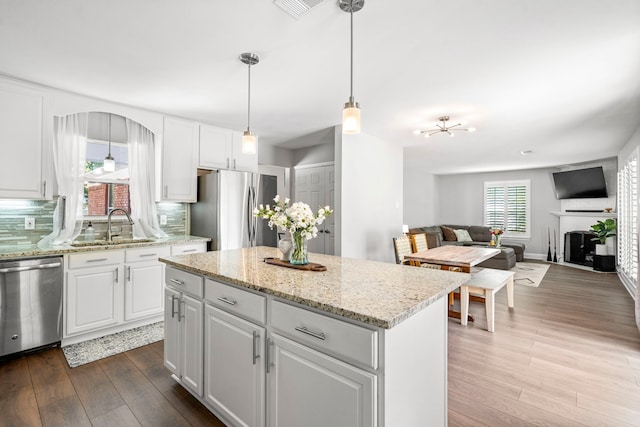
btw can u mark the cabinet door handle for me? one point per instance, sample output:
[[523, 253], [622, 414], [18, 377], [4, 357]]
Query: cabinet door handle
[[227, 163], [234, 163], [269, 363], [44, 189], [304, 330], [180, 310], [117, 273], [166, 190], [256, 338], [227, 300], [147, 255], [173, 306], [188, 250], [128, 273], [177, 282]]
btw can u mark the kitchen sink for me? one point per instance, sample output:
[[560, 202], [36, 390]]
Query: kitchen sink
[[111, 243]]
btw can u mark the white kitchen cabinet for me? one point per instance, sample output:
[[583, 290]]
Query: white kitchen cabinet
[[144, 282], [234, 367], [26, 130], [184, 311], [308, 388], [179, 160], [222, 149], [93, 298]]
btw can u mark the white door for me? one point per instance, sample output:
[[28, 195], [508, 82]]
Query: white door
[[316, 187], [172, 349], [191, 314], [94, 298], [234, 367], [308, 388], [143, 294]]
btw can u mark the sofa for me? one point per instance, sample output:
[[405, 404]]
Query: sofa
[[439, 235]]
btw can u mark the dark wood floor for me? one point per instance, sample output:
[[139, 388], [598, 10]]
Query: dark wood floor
[[568, 354]]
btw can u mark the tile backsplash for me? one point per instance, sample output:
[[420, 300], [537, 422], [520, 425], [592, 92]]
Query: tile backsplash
[[14, 212]]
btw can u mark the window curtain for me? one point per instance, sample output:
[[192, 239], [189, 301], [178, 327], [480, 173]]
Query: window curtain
[[69, 158], [142, 181]]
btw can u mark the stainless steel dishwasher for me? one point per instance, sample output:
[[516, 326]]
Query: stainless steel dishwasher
[[30, 304]]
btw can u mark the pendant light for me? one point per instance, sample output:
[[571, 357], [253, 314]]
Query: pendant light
[[109, 164], [249, 143], [351, 112]]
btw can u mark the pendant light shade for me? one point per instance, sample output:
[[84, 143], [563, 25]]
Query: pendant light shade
[[109, 164], [351, 113], [249, 140]]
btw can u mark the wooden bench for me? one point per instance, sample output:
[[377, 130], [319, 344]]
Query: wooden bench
[[486, 283]]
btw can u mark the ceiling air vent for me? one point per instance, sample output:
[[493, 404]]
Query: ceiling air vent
[[297, 8]]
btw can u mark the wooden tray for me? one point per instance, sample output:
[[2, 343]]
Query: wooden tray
[[308, 267]]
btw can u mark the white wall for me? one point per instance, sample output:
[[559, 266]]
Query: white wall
[[321, 153], [461, 202], [421, 195], [276, 156], [370, 196]]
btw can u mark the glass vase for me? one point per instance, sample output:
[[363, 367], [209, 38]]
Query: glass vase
[[497, 240], [299, 255]]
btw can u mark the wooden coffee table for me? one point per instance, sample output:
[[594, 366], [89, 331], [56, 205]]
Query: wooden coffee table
[[454, 258]]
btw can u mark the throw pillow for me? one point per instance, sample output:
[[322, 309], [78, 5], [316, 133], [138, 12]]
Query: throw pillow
[[448, 234], [463, 235]]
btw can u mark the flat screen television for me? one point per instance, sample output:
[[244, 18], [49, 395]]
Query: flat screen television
[[580, 183]]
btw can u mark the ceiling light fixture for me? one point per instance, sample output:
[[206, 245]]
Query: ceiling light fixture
[[442, 128], [249, 144], [351, 112], [109, 164]]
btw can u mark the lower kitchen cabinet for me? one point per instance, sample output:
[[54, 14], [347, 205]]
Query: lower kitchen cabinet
[[183, 345], [234, 368], [309, 388], [144, 284], [94, 298]]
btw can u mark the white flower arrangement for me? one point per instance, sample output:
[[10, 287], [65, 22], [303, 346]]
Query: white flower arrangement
[[298, 218]]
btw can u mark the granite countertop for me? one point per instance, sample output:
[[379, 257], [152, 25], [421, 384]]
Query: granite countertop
[[377, 293], [20, 251]]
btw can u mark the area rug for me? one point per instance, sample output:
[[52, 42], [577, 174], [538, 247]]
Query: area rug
[[99, 348], [529, 273]]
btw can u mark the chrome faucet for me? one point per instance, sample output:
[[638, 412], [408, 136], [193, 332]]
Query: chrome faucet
[[109, 234]]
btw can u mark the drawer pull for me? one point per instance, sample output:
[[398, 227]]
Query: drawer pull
[[227, 301], [188, 250], [304, 330], [145, 255], [177, 282], [256, 337], [97, 260]]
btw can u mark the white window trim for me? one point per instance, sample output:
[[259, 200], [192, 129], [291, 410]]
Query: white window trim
[[628, 223], [524, 182]]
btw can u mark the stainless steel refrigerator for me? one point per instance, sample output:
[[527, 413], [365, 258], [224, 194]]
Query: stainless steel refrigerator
[[224, 210]]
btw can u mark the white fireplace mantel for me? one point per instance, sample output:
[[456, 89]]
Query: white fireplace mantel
[[588, 214]]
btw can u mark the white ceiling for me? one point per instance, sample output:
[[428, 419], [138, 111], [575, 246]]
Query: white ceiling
[[559, 78]]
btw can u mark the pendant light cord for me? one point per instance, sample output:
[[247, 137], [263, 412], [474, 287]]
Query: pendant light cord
[[109, 134], [351, 93], [249, 100]]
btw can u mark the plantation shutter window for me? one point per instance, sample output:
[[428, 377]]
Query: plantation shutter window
[[506, 206], [627, 232]]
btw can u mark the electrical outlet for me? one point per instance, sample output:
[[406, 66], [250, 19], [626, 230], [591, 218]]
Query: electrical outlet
[[29, 223], [163, 220]]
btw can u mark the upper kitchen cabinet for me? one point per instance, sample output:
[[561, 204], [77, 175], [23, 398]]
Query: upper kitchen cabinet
[[179, 160], [26, 130], [221, 149]]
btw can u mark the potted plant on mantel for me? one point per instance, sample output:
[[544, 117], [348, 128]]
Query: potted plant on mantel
[[603, 230]]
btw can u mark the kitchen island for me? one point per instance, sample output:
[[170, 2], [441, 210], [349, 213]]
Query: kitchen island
[[363, 343]]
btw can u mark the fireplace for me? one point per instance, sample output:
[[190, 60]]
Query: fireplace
[[578, 247]]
